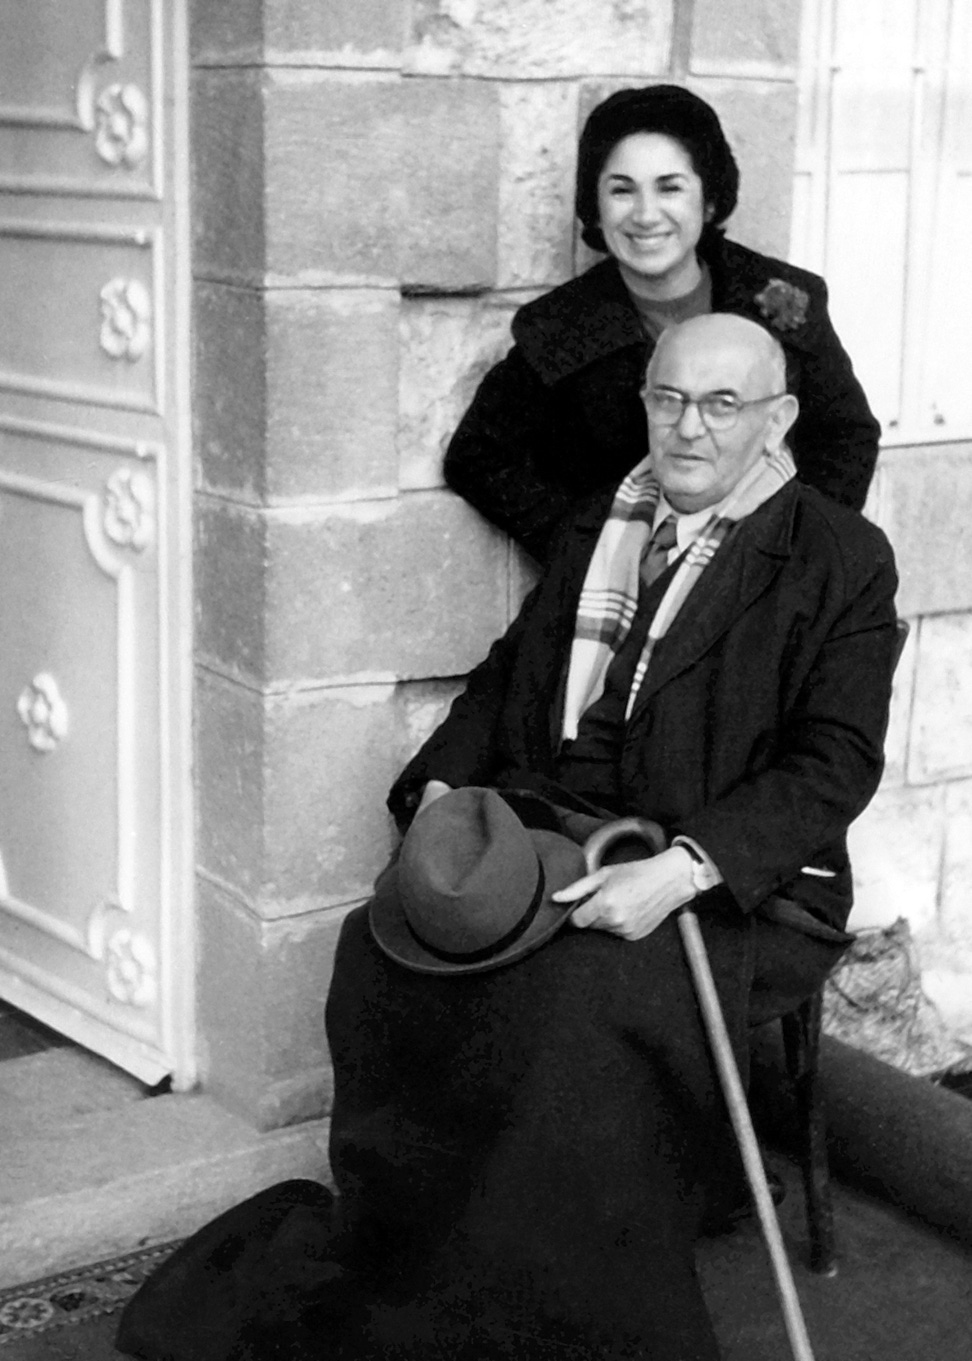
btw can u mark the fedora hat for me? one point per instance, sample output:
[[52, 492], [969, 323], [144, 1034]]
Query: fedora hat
[[471, 888]]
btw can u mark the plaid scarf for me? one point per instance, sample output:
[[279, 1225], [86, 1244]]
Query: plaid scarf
[[609, 598]]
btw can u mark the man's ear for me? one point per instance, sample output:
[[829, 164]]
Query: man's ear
[[784, 413]]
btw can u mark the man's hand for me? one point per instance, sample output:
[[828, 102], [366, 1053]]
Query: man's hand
[[630, 900]]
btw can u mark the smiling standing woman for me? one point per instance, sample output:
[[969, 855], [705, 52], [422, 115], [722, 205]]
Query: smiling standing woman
[[561, 415]]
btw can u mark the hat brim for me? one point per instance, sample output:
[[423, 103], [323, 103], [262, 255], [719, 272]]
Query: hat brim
[[563, 863]]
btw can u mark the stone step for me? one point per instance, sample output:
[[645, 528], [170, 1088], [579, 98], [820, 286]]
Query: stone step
[[96, 1168], [57, 1086]]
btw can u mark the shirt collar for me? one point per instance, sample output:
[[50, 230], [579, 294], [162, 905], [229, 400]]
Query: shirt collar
[[687, 527]]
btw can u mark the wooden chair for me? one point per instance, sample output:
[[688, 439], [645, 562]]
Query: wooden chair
[[801, 1045]]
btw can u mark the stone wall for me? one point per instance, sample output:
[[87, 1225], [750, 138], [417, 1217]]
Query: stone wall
[[378, 184], [912, 849]]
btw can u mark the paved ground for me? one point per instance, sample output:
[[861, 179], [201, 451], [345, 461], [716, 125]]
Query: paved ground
[[903, 1293]]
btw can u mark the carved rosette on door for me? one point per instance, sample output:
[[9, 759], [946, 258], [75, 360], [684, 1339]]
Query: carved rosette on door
[[43, 713], [126, 312], [131, 969], [128, 518], [121, 125]]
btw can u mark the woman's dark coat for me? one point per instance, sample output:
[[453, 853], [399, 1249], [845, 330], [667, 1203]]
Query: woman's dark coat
[[560, 416]]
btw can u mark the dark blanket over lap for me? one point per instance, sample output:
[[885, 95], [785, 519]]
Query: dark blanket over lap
[[519, 1153], [520, 1156]]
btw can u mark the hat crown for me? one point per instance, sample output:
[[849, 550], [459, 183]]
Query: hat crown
[[469, 873]]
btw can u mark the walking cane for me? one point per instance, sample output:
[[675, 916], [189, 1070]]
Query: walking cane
[[698, 961]]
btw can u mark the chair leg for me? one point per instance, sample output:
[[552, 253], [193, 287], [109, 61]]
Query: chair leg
[[801, 1041]]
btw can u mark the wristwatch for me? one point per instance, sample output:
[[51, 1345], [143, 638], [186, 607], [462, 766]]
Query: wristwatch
[[704, 874]]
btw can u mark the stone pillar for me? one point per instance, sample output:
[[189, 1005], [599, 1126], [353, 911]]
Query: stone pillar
[[378, 185]]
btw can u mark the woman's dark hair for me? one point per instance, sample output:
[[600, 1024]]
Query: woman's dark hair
[[674, 112]]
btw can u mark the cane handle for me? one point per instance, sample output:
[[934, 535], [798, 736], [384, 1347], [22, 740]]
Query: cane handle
[[598, 843]]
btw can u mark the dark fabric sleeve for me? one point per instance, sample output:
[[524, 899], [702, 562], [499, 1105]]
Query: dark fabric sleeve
[[500, 456], [835, 438], [828, 757]]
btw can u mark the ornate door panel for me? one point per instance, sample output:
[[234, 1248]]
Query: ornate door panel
[[95, 899]]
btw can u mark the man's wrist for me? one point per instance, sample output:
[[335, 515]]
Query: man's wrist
[[704, 873], [686, 867]]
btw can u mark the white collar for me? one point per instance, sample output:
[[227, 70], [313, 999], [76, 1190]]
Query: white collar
[[688, 526]]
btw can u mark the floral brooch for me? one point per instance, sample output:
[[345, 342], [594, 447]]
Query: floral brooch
[[783, 305]]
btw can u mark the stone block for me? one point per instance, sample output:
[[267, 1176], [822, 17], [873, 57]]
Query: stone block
[[956, 902], [331, 756], [759, 119], [364, 592], [536, 193], [228, 167], [740, 38], [291, 791], [395, 590], [925, 509], [353, 33], [332, 394], [447, 345], [306, 177], [229, 782], [381, 181], [227, 31], [941, 724], [262, 988], [539, 39], [902, 700], [229, 383], [896, 851], [296, 392], [230, 585]]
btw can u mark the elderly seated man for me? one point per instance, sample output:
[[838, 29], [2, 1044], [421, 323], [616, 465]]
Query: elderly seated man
[[527, 1123]]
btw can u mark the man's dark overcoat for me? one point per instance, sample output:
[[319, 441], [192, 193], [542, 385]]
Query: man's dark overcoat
[[560, 416], [521, 1154]]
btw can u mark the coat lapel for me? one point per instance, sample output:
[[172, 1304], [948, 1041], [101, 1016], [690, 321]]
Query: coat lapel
[[578, 323], [745, 567]]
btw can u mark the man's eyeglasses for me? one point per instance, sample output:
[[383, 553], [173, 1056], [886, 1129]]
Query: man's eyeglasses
[[718, 410]]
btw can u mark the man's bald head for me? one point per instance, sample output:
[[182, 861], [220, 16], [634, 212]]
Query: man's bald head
[[725, 329]]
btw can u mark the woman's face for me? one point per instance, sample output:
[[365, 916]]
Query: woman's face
[[652, 213]]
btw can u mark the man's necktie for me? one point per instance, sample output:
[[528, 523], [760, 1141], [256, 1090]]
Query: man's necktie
[[654, 560]]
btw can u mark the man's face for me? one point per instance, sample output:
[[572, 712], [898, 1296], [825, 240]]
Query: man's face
[[695, 466]]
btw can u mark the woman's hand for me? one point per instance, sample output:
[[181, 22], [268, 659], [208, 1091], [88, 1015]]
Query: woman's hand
[[631, 899], [433, 790]]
